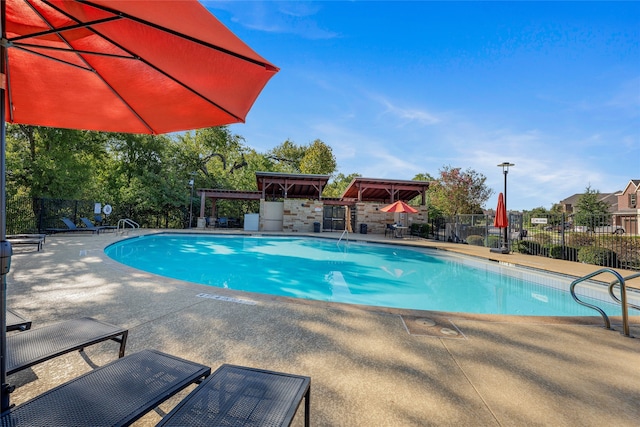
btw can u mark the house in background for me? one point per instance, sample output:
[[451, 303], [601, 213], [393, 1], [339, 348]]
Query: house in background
[[569, 204], [627, 214]]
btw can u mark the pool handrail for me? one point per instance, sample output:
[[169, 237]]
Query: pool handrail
[[126, 221], [342, 235], [623, 297], [615, 298]]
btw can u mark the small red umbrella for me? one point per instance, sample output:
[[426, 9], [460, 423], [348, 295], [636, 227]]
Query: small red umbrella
[[501, 220], [399, 207]]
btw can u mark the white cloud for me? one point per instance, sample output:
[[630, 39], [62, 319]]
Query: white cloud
[[406, 115]]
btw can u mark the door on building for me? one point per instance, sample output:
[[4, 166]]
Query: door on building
[[333, 218]]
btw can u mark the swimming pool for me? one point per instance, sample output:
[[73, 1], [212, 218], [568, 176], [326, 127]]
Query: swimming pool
[[356, 273]]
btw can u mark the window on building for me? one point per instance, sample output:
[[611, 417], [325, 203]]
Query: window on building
[[633, 200]]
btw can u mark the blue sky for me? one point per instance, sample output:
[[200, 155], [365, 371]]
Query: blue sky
[[401, 88]]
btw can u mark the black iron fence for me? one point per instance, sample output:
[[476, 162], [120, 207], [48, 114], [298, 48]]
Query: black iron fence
[[36, 215], [596, 241]]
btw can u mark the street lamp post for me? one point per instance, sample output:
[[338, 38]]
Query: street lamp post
[[191, 184], [505, 170]]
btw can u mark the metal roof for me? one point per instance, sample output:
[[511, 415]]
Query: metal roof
[[385, 190]]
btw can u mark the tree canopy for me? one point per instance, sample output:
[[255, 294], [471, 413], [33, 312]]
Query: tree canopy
[[150, 175], [144, 174], [590, 210], [458, 192]]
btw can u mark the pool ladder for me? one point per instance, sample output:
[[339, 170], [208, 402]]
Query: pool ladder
[[124, 223], [345, 232], [619, 280]]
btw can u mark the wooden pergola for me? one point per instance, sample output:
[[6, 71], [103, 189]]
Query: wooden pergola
[[276, 185], [385, 190], [271, 185]]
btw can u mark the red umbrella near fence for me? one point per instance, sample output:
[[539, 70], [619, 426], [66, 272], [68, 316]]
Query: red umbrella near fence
[[121, 66], [501, 221]]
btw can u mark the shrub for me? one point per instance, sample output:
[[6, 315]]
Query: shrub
[[555, 251], [493, 241], [598, 256], [579, 240], [476, 240], [421, 230], [542, 238], [521, 247], [571, 253], [530, 247]]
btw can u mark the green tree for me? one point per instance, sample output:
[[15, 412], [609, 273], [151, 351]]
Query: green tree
[[459, 192], [318, 159], [315, 158], [590, 210], [423, 177], [339, 184], [54, 163], [286, 157], [539, 212]]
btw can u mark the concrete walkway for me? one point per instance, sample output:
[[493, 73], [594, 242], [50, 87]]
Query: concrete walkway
[[369, 367]]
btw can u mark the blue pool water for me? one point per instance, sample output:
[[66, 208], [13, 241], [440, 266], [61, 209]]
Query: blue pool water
[[355, 273]]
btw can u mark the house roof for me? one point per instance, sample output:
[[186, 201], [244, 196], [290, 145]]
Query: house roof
[[635, 183], [384, 190], [609, 198]]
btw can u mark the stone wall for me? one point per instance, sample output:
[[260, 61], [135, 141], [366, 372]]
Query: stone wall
[[299, 215], [376, 220]]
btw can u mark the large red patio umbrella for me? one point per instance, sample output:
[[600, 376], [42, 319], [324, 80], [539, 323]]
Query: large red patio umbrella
[[399, 207], [117, 65]]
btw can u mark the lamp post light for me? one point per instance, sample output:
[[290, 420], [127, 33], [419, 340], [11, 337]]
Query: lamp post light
[[191, 184], [505, 170]]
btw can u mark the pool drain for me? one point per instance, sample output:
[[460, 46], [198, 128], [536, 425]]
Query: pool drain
[[423, 321], [436, 326]]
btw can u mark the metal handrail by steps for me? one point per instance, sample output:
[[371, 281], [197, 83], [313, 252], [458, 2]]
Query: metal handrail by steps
[[615, 298], [342, 235], [619, 280], [126, 222]]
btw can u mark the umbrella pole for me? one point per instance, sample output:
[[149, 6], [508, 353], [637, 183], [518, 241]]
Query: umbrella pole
[[5, 263], [5, 246]]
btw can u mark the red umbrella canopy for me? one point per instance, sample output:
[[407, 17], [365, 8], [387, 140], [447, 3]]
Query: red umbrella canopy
[[501, 220], [126, 66], [122, 66], [400, 207]]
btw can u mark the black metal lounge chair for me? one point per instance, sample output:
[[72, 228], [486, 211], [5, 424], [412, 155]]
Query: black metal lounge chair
[[71, 227], [47, 342], [15, 322], [27, 239], [116, 394], [87, 222], [238, 396]]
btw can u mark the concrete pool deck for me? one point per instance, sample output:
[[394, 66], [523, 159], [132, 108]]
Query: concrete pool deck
[[368, 366]]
